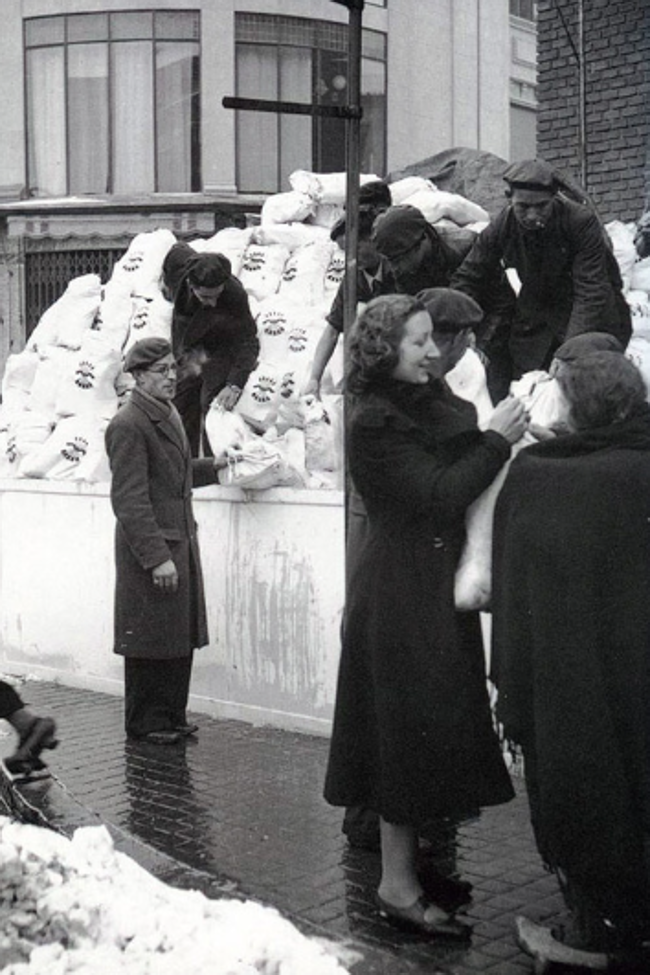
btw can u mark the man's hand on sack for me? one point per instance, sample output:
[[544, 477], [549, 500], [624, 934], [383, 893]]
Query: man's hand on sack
[[227, 397], [165, 576]]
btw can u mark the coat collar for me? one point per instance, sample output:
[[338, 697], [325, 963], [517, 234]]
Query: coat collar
[[160, 412]]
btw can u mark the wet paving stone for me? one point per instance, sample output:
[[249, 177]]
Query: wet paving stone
[[239, 812]]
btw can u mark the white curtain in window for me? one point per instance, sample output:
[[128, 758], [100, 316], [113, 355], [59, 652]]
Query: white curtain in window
[[295, 130], [174, 116], [257, 132], [46, 115], [133, 127], [88, 118]]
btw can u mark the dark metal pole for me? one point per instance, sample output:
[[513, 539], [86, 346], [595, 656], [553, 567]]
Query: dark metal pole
[[353, 166]]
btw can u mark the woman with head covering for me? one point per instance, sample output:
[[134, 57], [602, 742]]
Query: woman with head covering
[[571, 654], [412, 736], [214, 336]]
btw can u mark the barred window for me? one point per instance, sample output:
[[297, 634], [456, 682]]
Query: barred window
[[113, 102], [295, 59]]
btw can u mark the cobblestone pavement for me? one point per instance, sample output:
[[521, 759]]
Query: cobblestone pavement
[[239, 812]]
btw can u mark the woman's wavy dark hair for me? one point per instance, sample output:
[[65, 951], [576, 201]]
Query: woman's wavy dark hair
[[602, 388], [375, 339]]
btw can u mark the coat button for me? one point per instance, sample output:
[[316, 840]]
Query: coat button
[[438, 543]]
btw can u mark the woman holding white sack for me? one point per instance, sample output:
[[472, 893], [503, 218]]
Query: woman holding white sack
[[412, 736]]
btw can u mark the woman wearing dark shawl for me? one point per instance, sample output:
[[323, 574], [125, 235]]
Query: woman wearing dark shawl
[[571, 654]]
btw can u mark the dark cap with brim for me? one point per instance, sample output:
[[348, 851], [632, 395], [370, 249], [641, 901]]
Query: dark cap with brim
[[367, 215], [449, 310], [586, 343], [145, 353], [399, 229], [531, 174]]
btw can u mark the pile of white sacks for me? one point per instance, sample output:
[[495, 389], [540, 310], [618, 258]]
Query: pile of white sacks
[[60, 392], [80, 906]]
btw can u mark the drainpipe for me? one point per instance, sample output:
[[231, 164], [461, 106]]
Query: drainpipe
[[582, 69]]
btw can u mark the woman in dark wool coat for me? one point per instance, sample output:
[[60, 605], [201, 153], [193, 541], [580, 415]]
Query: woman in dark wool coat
[[571, 653], [412, 736]]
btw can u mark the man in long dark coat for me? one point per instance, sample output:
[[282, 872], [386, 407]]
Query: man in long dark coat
[[570, 280], [159, 603]]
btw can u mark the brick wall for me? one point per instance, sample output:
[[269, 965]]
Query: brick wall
[[617, 102]]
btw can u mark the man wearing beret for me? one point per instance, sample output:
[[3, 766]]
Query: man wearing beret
[[570, 281], [159, 604], [214, 335]]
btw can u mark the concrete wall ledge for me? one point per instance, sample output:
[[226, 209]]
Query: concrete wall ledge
[[273, 563]]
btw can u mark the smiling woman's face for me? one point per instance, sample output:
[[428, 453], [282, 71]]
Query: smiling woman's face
[[417, 350]]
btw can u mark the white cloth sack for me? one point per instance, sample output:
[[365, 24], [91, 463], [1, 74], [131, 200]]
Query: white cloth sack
[[258, 403], [324, 187], [77, 309], [225, 429], [19, 374], [326, 214], [151, 317], [303, 278], [73, 451], [286, 208], [261, 269], [334, 272], [545, 402], [467, 380], [140, 267], [438, 204], [54, 363], [114, 314], [30, 430], [621, 236], [230, 241], [290, 235], [640, 277], [257, 466], [89, 389], [401, 189]]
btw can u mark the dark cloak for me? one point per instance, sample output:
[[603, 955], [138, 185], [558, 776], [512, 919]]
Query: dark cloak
[[571, 652]]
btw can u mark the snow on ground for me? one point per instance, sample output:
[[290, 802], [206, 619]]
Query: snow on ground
[[81, 906]]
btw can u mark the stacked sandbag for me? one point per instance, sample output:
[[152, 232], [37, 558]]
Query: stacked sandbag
[[638, 348]]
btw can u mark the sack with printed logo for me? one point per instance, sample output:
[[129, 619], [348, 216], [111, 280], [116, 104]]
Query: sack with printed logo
[[111, 322], [303, 277], [151, 317], [261, 269], [73, 451], [140, 268], [88, 389], [258, 403]]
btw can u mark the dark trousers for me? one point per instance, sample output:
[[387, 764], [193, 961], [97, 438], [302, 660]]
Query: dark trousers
[[9, 700], [155, 694]]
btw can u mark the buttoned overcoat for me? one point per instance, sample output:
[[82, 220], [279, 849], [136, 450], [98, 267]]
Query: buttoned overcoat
[[412, 736], [152, 477]]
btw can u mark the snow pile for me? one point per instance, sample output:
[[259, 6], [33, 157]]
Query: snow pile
[[80, 906]]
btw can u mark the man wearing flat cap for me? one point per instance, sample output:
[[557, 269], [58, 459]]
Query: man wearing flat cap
[[214, 335], [374, 278], [419, 256], [159, 604], [569, 278]]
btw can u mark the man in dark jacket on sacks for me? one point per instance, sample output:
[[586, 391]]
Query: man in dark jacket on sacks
[[570, 281], [374, 278], [159, 603], [213, 335]]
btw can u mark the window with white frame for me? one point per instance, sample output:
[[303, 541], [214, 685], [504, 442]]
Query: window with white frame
[[113, 102], [525, 9], [293, 59]]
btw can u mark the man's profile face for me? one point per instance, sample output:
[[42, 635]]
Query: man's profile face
[[532, 208]]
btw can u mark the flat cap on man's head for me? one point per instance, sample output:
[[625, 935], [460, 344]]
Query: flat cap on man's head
[[449, 310], [585, 343], [366, 220], [145, 353], [375, 193], [531, 174], [209, 270], [399, 229]]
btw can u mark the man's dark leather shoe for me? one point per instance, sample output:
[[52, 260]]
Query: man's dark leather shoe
[[186, 729], [161, 737]]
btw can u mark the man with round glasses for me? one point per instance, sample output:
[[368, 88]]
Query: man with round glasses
[[160, 614]]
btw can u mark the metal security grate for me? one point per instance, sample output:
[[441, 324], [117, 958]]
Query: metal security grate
[[48, 273]]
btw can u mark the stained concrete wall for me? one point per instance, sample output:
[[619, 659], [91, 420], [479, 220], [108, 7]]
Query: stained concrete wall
[[274, 574]]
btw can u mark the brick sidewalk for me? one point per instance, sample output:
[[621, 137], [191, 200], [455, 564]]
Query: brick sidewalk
[[239, 812]]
